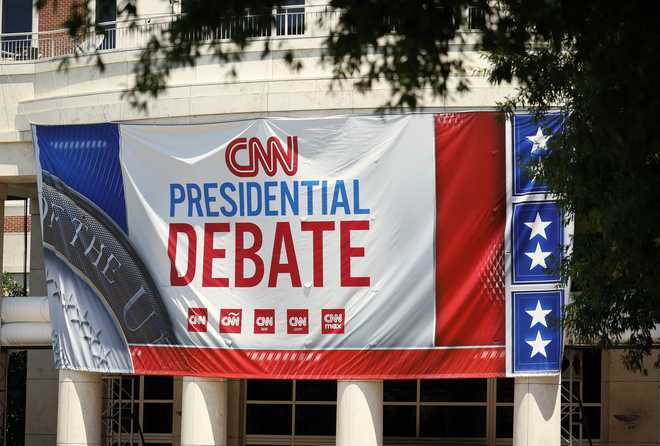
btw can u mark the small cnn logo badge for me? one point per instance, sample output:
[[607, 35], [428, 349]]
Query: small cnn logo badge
[[333, 321], [197, 319], [230, 320], [297, 321], [264, 321]]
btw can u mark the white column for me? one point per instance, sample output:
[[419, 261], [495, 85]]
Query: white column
[[359, 413], [204, 412], [79, 407], [537, 411]]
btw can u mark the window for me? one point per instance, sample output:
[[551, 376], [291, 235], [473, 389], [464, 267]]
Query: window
[[291, 18], [16, 18], [278, 411], [136, 406], [504, 408], [106, 16], [455, 408], [476, 18], [581, 394], [14, 433], [423, 412]]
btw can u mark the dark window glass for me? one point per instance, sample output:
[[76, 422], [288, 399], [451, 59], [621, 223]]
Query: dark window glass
[[576, 425], [269, 390], [592, 421], [16, 379], [315, 419], [130, 387], [399, 421], [505, 390], [441, 421], [316, 390], [16, 16], [158, 388], [106, 11], [405, 391], [476, 18], [573, 387], [504, 422], [453, 390], [128, 417], [591, 374], [271, 419], [157, 418]]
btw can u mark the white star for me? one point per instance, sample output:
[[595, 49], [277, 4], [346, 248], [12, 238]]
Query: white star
[[538, 257], [539, 141], [538, 226], [538, 345], [538, 315]]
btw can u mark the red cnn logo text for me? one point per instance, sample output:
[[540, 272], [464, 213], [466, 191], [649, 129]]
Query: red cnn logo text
[[297, 322], [197, 319], [264, 321], [268, 158], [332, 321], [230, 320]]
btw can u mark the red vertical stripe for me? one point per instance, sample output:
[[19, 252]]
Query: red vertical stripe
[[470, 217]]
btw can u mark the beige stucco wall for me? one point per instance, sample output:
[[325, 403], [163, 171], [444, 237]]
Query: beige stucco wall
[[630, 393]]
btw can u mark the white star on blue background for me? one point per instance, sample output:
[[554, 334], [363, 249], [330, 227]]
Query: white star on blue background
[[539, 141]]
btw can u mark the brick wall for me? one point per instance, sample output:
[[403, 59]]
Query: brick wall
[[54, 14], [14, 223]]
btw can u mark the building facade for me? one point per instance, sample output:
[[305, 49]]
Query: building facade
[[599, 399]]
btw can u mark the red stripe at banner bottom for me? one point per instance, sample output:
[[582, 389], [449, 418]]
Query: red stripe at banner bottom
[[469, 362]]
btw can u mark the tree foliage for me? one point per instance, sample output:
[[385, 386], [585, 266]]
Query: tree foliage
[[10, 287], [599, 60], [595, 59]]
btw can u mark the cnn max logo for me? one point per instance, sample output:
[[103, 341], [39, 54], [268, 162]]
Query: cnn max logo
[[244, 156], [264, 321], [297, 321], [230, 320], [333, 321], [197, 319]]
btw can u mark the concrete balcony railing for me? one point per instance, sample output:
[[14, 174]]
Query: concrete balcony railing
[[288, 22]]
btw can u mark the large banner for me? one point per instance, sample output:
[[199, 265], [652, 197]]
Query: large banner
[[335, 247]]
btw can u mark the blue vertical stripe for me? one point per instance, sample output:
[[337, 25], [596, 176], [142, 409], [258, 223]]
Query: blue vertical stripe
[[86, 158]]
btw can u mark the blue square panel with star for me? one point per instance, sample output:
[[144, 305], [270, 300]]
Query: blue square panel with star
[[537, 334], [530, 141], [537, 239]]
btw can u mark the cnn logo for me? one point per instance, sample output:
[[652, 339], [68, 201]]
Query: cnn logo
[[197, 319], [264, 321], [297, 321], [333, 321], [244, 156], [230, 320]]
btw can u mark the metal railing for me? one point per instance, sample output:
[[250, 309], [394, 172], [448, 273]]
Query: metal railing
[[135, 34], [286, 22]]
